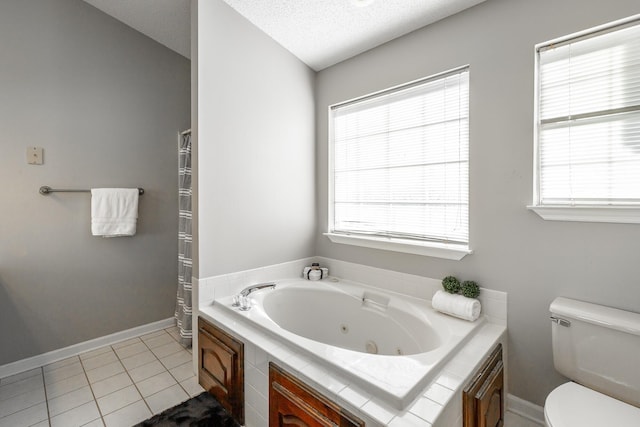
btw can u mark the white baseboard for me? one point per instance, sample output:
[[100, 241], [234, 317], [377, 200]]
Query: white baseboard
[[73, 350], [525, 409]]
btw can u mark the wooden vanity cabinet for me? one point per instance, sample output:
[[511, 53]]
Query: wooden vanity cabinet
[[221, 367], [295, 404], [483, 397]]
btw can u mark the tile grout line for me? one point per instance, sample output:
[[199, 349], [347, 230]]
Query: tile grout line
[[46, 399], [91, 389]]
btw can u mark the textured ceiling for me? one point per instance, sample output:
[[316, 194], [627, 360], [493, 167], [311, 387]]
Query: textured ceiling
[[166, 21], [319, 32], [324, 32]]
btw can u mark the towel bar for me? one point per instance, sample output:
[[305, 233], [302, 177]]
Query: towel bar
[[44, 190]]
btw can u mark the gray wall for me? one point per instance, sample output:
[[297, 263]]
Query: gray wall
[[256, 142], [514, 249], [106, 104]]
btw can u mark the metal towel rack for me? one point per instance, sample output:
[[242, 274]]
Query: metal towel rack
[[44, 190]]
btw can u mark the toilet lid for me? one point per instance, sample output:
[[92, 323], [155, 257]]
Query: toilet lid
[[572, 405]]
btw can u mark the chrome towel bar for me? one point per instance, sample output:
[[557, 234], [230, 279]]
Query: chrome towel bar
[[44, 190]]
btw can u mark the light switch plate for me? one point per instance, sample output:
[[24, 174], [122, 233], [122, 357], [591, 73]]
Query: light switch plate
[[34, 155]]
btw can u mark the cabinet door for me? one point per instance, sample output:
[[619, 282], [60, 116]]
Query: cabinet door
[[221, 367], [482, 399], [490, 399], [295, 404]]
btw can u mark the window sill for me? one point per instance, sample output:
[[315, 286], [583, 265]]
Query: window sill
[[433, 249], [622, 215]]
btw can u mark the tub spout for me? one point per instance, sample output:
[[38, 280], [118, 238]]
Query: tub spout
[[249, 289]]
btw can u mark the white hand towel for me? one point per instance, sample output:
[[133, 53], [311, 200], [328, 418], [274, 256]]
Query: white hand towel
[[114, 211], [456, 305]]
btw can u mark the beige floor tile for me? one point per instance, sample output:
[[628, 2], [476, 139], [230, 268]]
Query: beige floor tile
[[514, 420], [139, 360], [77, 416], [22, 401], [22, 386], [159, 340], [175, 334], [182, 372], [119, 399], [96, 352], [130, 350], [99, 361], [126, 343], [63, 373], [27, 417], [155, 384], [66, 386], [111, 384], [94, 423], [176, 359], [21, 376], [146, 371], [191, 386], [151, 335], [61, 363], [104, 372], [167, 349], [166, 398], [68, 401], [128, 416], [171, 329]]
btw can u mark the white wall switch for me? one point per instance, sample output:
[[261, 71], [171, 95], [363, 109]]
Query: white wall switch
[[34, 155]]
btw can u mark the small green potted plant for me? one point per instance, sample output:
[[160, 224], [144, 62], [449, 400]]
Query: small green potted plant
[[470, 289], [451, 284]]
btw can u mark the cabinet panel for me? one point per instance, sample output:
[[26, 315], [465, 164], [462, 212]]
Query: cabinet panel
[[221, 367], [293, 403], [483, 398]]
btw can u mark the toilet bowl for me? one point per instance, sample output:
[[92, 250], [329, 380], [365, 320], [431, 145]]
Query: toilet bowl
[[573, 405], [598, 348]]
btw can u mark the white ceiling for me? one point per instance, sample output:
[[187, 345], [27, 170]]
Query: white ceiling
[[319, 32]]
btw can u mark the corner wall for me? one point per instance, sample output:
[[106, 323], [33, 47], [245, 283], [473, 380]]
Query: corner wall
[[255, 144], [106, 103], [514, 250]]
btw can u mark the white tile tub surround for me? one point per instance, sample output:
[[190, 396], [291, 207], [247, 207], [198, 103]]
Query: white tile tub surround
[[440, 403], [494, 303], [215, 287]]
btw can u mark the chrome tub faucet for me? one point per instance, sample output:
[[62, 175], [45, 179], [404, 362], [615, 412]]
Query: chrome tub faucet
[[249, 289]]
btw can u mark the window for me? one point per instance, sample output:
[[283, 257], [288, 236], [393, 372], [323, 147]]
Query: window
[[588, 126], [399, 168]]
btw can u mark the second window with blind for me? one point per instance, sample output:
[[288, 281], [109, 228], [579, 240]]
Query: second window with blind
[[399, 168], [587, 142]]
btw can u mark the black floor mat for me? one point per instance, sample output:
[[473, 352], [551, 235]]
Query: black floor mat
[[200, 411]]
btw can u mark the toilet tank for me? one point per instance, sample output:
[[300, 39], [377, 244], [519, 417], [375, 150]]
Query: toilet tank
[[599, 349]]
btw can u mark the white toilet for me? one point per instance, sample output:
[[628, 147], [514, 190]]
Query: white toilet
[[598, 348]]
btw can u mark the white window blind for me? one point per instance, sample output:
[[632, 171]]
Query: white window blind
[[400, 162], [588, 148]]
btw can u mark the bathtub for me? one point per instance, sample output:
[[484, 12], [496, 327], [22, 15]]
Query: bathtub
[[390, 345]]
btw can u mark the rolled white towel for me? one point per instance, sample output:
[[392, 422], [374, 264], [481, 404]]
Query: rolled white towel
[[457, 305]]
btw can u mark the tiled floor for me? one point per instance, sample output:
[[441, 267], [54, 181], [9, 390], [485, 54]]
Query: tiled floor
[[113, 386], [514, 420]]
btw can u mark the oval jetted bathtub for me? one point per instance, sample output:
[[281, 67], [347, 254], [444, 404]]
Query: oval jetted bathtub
[[390, 344]]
